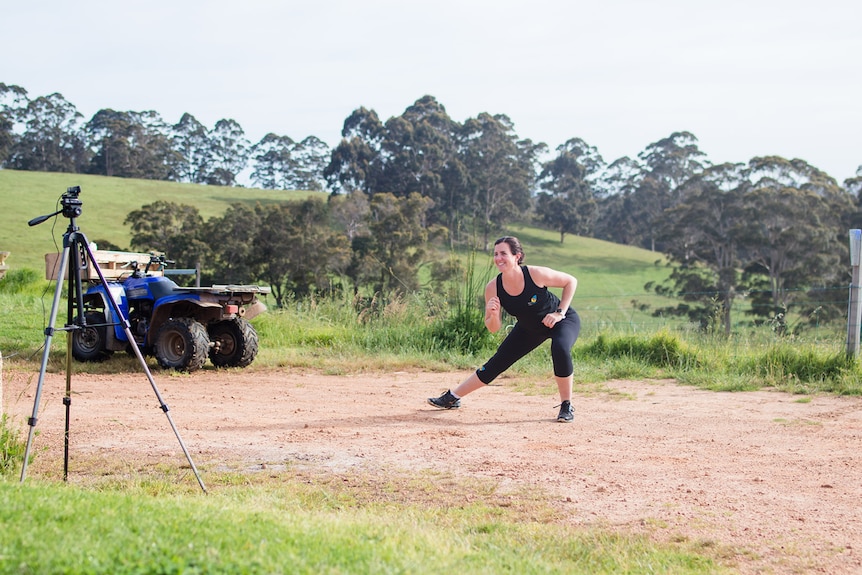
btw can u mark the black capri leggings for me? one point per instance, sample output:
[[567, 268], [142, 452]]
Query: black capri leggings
[[522, 341]]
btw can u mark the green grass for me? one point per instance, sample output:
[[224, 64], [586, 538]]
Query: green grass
[[283, 524]]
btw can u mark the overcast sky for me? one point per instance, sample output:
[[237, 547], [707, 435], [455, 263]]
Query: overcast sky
[[746, 77]]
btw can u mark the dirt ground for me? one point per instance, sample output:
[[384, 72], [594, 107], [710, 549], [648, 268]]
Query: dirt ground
[[769, 479]]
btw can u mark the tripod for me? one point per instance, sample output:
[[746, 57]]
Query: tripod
[[76, 257]]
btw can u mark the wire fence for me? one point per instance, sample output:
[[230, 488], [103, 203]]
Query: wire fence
[[815, 316]]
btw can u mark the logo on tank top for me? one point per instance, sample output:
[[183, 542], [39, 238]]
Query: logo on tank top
[[533, 300]]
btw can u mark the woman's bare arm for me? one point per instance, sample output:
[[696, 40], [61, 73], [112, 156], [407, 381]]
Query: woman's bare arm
[[493, 310], [547, 277]]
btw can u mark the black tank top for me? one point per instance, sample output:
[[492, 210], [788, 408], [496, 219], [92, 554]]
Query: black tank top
[[531, 305]]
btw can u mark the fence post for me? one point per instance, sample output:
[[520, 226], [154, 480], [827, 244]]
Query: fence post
[[854, 313]]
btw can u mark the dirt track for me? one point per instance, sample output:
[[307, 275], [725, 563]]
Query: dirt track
[[773, 479]]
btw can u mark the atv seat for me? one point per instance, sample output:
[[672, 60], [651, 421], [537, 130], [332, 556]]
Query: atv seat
[[162, 288]]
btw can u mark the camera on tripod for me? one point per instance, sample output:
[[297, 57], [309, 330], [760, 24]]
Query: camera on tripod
[[76, 258], [72, 205]]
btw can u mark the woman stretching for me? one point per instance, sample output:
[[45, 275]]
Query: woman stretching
[[523, 292]]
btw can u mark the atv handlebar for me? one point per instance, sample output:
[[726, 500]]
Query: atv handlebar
[[157, 262]]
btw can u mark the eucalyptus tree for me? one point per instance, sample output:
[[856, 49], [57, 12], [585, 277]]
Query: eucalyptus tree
[[501, 171], [227, 153], [778, 221], [567, 202], [52, 138], [615, 188], [7, 136], [420, 155], [674, 159], [129, 145], [416, 152], [280, 163], [415, 147], [667, 163], [296, 250], [110, 133], [273, 162], [317, 252], [854, 185], [271, 248], [350, 213], [357, 162], [796, 235], [701, 235], [173, 229], [190, 141], [397, 241], [12, 101], [231, 238], [311, 155]]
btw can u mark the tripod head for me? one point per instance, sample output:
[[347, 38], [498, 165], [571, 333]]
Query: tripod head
[[70, 206]]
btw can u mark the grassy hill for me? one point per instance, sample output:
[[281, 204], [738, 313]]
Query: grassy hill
[[106, 202]]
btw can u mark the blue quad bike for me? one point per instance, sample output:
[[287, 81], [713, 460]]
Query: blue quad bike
[[180, 326]]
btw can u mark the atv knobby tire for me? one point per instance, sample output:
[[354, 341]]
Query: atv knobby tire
[[181, 343], [234, 341], [89, 343]]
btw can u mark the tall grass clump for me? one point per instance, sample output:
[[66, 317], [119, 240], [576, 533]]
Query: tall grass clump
[[660, 350], [343, 330], [461, 327], [801, 369], [393, 325], [11, 448], [25, 302], [22, 281]]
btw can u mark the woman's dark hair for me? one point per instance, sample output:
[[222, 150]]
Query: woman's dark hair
[[514, 245]]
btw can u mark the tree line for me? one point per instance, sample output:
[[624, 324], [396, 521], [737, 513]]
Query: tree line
[[772, 230], [48, 134]]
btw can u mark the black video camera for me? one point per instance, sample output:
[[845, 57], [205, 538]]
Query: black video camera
[[72, 206]]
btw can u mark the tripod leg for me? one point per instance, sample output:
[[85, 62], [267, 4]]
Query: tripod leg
[[77, 262], [141, 360], [49, 335], [67, 401]]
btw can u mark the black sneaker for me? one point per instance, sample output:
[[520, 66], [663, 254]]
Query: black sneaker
[[567, 414], [445, 401]]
